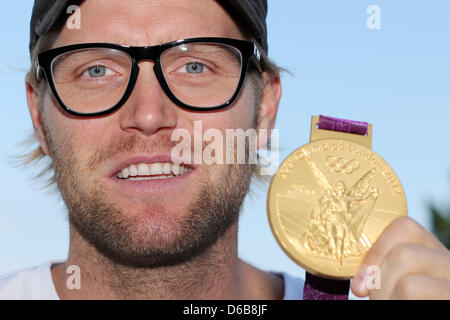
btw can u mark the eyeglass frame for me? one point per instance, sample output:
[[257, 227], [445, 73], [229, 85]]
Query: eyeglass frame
[[248, 49]]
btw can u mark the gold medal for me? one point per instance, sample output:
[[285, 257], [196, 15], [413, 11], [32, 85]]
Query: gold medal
[[330, 200]]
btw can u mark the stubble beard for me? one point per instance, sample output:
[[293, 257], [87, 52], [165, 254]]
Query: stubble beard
[[123, 239]]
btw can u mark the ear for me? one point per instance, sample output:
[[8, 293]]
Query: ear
[[32, 100], [270, 99]]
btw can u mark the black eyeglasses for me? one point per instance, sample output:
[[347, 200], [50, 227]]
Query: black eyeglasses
[[198, 74]]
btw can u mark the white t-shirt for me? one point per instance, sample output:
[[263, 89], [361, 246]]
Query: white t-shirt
[[36, 283]]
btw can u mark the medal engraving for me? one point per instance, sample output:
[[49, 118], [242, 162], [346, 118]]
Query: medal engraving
[[339, 214], [342, 165], [328, 204]]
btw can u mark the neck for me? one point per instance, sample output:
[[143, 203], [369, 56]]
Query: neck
[[217, 273]]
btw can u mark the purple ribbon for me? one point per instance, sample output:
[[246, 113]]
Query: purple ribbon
[[342, 125], [318, 288]]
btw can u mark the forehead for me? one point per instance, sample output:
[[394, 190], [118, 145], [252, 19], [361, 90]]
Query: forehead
[[148, 22]]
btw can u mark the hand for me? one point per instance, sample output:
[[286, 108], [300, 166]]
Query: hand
[[413, 264]]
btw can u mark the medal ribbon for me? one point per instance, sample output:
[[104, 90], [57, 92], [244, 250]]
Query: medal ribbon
[[318, 288], [342, 125]]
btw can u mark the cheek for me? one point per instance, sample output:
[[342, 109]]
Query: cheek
[[71, 137], [243, 112], [239, 115]]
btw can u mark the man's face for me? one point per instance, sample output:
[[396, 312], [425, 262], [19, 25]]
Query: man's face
[[149, 222]]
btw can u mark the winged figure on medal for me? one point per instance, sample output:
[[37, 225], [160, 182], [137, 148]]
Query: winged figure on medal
[[339, 215]]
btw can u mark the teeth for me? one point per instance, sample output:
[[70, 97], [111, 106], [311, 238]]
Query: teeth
[[149, 178], [167, 168], [125, 173], [133, 170], [176, 169], [157, 170], [143, 169]]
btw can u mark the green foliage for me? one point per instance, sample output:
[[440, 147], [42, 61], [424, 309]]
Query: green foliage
[[441, 224]]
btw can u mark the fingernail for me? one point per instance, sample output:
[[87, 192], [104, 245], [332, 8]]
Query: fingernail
[[360, 281]]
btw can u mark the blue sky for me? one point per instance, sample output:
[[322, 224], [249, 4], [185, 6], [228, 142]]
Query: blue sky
[[397, 78]]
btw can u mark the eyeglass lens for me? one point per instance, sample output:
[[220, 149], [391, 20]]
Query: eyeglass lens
[[198, 74]]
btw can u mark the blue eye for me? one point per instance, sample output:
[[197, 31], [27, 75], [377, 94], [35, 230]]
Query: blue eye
[[97, 71], [194, 67]]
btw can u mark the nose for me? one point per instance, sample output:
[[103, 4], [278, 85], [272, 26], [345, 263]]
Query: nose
[[148, 109]]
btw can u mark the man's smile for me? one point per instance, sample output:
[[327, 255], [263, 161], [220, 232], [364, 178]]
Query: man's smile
[[145, 173], [151, 171]]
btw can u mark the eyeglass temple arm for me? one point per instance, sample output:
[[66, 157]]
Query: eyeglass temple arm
[[39, 70], [256, 58]]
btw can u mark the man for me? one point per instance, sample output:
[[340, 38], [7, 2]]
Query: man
[[145, 224]]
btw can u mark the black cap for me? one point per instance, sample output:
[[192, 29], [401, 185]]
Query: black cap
[[250, 13]]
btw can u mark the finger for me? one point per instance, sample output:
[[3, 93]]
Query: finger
[[419, 287], [404, 260], [402, 230]]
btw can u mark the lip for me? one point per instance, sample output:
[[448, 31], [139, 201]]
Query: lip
[[147, 159], [143, 188]]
